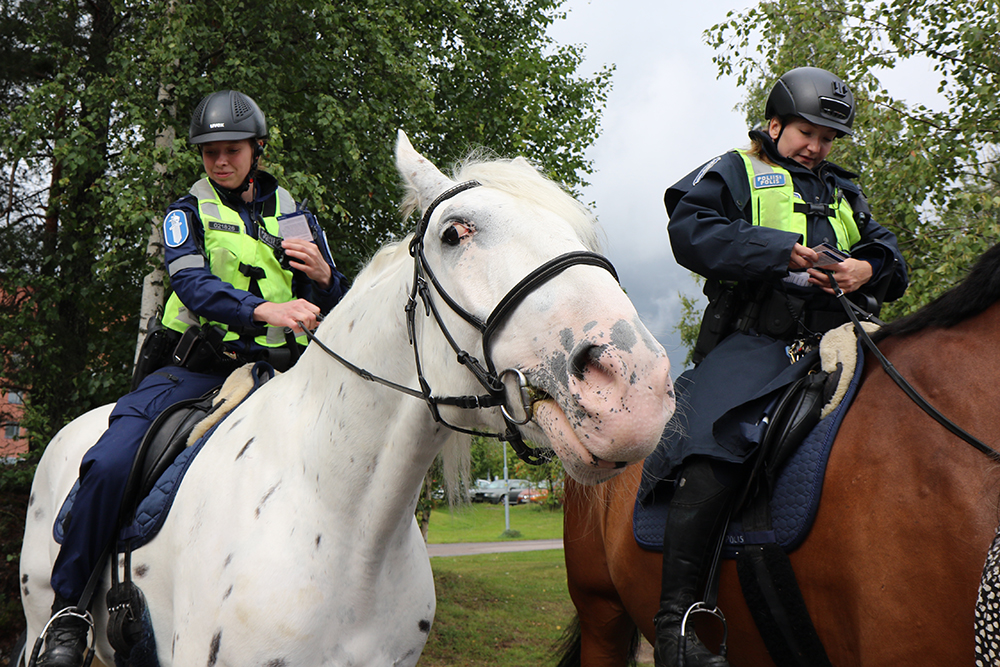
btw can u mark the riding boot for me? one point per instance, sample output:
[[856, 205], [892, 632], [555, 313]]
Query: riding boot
[[697, 512], [66, 638]]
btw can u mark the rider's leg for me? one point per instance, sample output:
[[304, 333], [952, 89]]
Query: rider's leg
[[697, 512], [103, 474]]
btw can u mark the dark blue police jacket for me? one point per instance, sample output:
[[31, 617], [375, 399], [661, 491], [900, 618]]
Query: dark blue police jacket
[[721, 401]]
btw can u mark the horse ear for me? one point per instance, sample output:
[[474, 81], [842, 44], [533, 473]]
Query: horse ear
[[421, 177], [522, 162]]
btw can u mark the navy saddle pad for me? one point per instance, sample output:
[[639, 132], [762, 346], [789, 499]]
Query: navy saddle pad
[[796, 495]]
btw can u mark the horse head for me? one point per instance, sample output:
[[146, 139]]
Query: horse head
[[501, 233]]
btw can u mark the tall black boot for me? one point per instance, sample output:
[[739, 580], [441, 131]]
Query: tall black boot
[[697, 511], [66, 637]]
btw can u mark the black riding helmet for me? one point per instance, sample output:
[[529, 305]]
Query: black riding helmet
[[814, 94], [228, 115]]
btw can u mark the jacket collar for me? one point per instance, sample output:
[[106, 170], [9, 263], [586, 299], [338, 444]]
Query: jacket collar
[[265, 186]]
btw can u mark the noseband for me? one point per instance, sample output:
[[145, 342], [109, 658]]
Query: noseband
[[487, 376]]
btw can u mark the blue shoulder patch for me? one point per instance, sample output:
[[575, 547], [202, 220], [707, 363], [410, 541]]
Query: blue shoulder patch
[[768, 180], [175, 228]]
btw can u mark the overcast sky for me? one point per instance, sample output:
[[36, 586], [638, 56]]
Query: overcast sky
[[666, 114]]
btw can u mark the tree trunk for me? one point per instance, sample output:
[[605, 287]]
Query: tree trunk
[[152, 285]]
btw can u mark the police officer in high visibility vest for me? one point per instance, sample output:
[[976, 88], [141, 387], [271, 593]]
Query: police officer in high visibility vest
[[246, 267], [757, 223]]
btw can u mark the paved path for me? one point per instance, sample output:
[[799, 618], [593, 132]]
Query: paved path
[[472, 548]]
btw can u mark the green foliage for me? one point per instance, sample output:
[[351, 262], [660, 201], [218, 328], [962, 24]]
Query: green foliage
[[930, 174], [689, 324], [90, 87]]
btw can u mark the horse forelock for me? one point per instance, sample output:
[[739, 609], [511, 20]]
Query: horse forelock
[[978, 291]]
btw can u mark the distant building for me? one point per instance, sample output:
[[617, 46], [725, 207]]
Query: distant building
[[13, 437]]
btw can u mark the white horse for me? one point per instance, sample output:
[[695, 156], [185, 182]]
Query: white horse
[[292, 539]]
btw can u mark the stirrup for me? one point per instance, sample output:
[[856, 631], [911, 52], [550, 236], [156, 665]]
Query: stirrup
[[88, 655], [700, 608]]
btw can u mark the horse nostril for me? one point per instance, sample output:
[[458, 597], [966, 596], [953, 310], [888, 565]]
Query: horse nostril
[[584, 355]]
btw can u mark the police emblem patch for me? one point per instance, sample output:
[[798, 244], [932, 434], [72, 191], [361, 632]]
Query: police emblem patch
[[175, 228], [772, 180]]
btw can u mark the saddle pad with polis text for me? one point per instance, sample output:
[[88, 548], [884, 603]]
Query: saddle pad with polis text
[[796, 494]]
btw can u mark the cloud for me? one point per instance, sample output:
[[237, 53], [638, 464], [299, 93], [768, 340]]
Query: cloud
[[666, 114]]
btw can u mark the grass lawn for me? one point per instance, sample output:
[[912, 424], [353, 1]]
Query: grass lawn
[[482, 522], [498, 610]]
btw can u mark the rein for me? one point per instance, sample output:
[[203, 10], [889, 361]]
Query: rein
[[492, 382], [904, 384]]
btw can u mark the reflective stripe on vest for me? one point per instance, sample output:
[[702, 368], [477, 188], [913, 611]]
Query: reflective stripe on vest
[[773, 202], [229, 248]]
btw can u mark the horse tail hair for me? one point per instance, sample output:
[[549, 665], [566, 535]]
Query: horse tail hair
[[632, 659], [570, 646]]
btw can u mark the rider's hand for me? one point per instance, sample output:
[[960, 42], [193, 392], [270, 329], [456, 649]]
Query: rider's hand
[[306, 257], [850, 275], [288, 314], [802, 257]]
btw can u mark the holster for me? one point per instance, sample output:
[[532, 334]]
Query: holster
[[200, 350], [780, 314], [719, 318], [156, 350]]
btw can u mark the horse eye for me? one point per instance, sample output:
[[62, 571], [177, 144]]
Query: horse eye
[[451, 236], [456, 231]]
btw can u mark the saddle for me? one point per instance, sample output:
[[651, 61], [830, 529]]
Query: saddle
[[174, 431], [180, 426], [793, 468], [163, 457]]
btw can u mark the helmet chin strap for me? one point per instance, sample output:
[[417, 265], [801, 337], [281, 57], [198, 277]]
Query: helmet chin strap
[[781, 131]]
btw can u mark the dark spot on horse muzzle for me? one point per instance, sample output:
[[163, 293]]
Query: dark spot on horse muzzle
[[582, 356], [424, 625]]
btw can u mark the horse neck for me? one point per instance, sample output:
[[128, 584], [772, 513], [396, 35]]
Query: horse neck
[[380, 442]]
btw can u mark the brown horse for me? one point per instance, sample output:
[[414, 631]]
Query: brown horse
[[891, 567]]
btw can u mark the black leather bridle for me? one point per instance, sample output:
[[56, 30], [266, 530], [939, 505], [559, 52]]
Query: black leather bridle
[[487, 376]]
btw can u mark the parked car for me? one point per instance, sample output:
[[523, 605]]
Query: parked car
[[533, 495], [476, 490], [497, 489]]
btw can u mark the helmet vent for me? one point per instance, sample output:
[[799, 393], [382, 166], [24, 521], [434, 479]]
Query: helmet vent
[[835, 108], [200, 109], [240, 107]]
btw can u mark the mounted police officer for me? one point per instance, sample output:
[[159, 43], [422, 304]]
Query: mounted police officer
[[757, 223], [239, 292]]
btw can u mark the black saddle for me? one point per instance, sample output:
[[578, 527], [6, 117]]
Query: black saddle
[[166, 438]]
